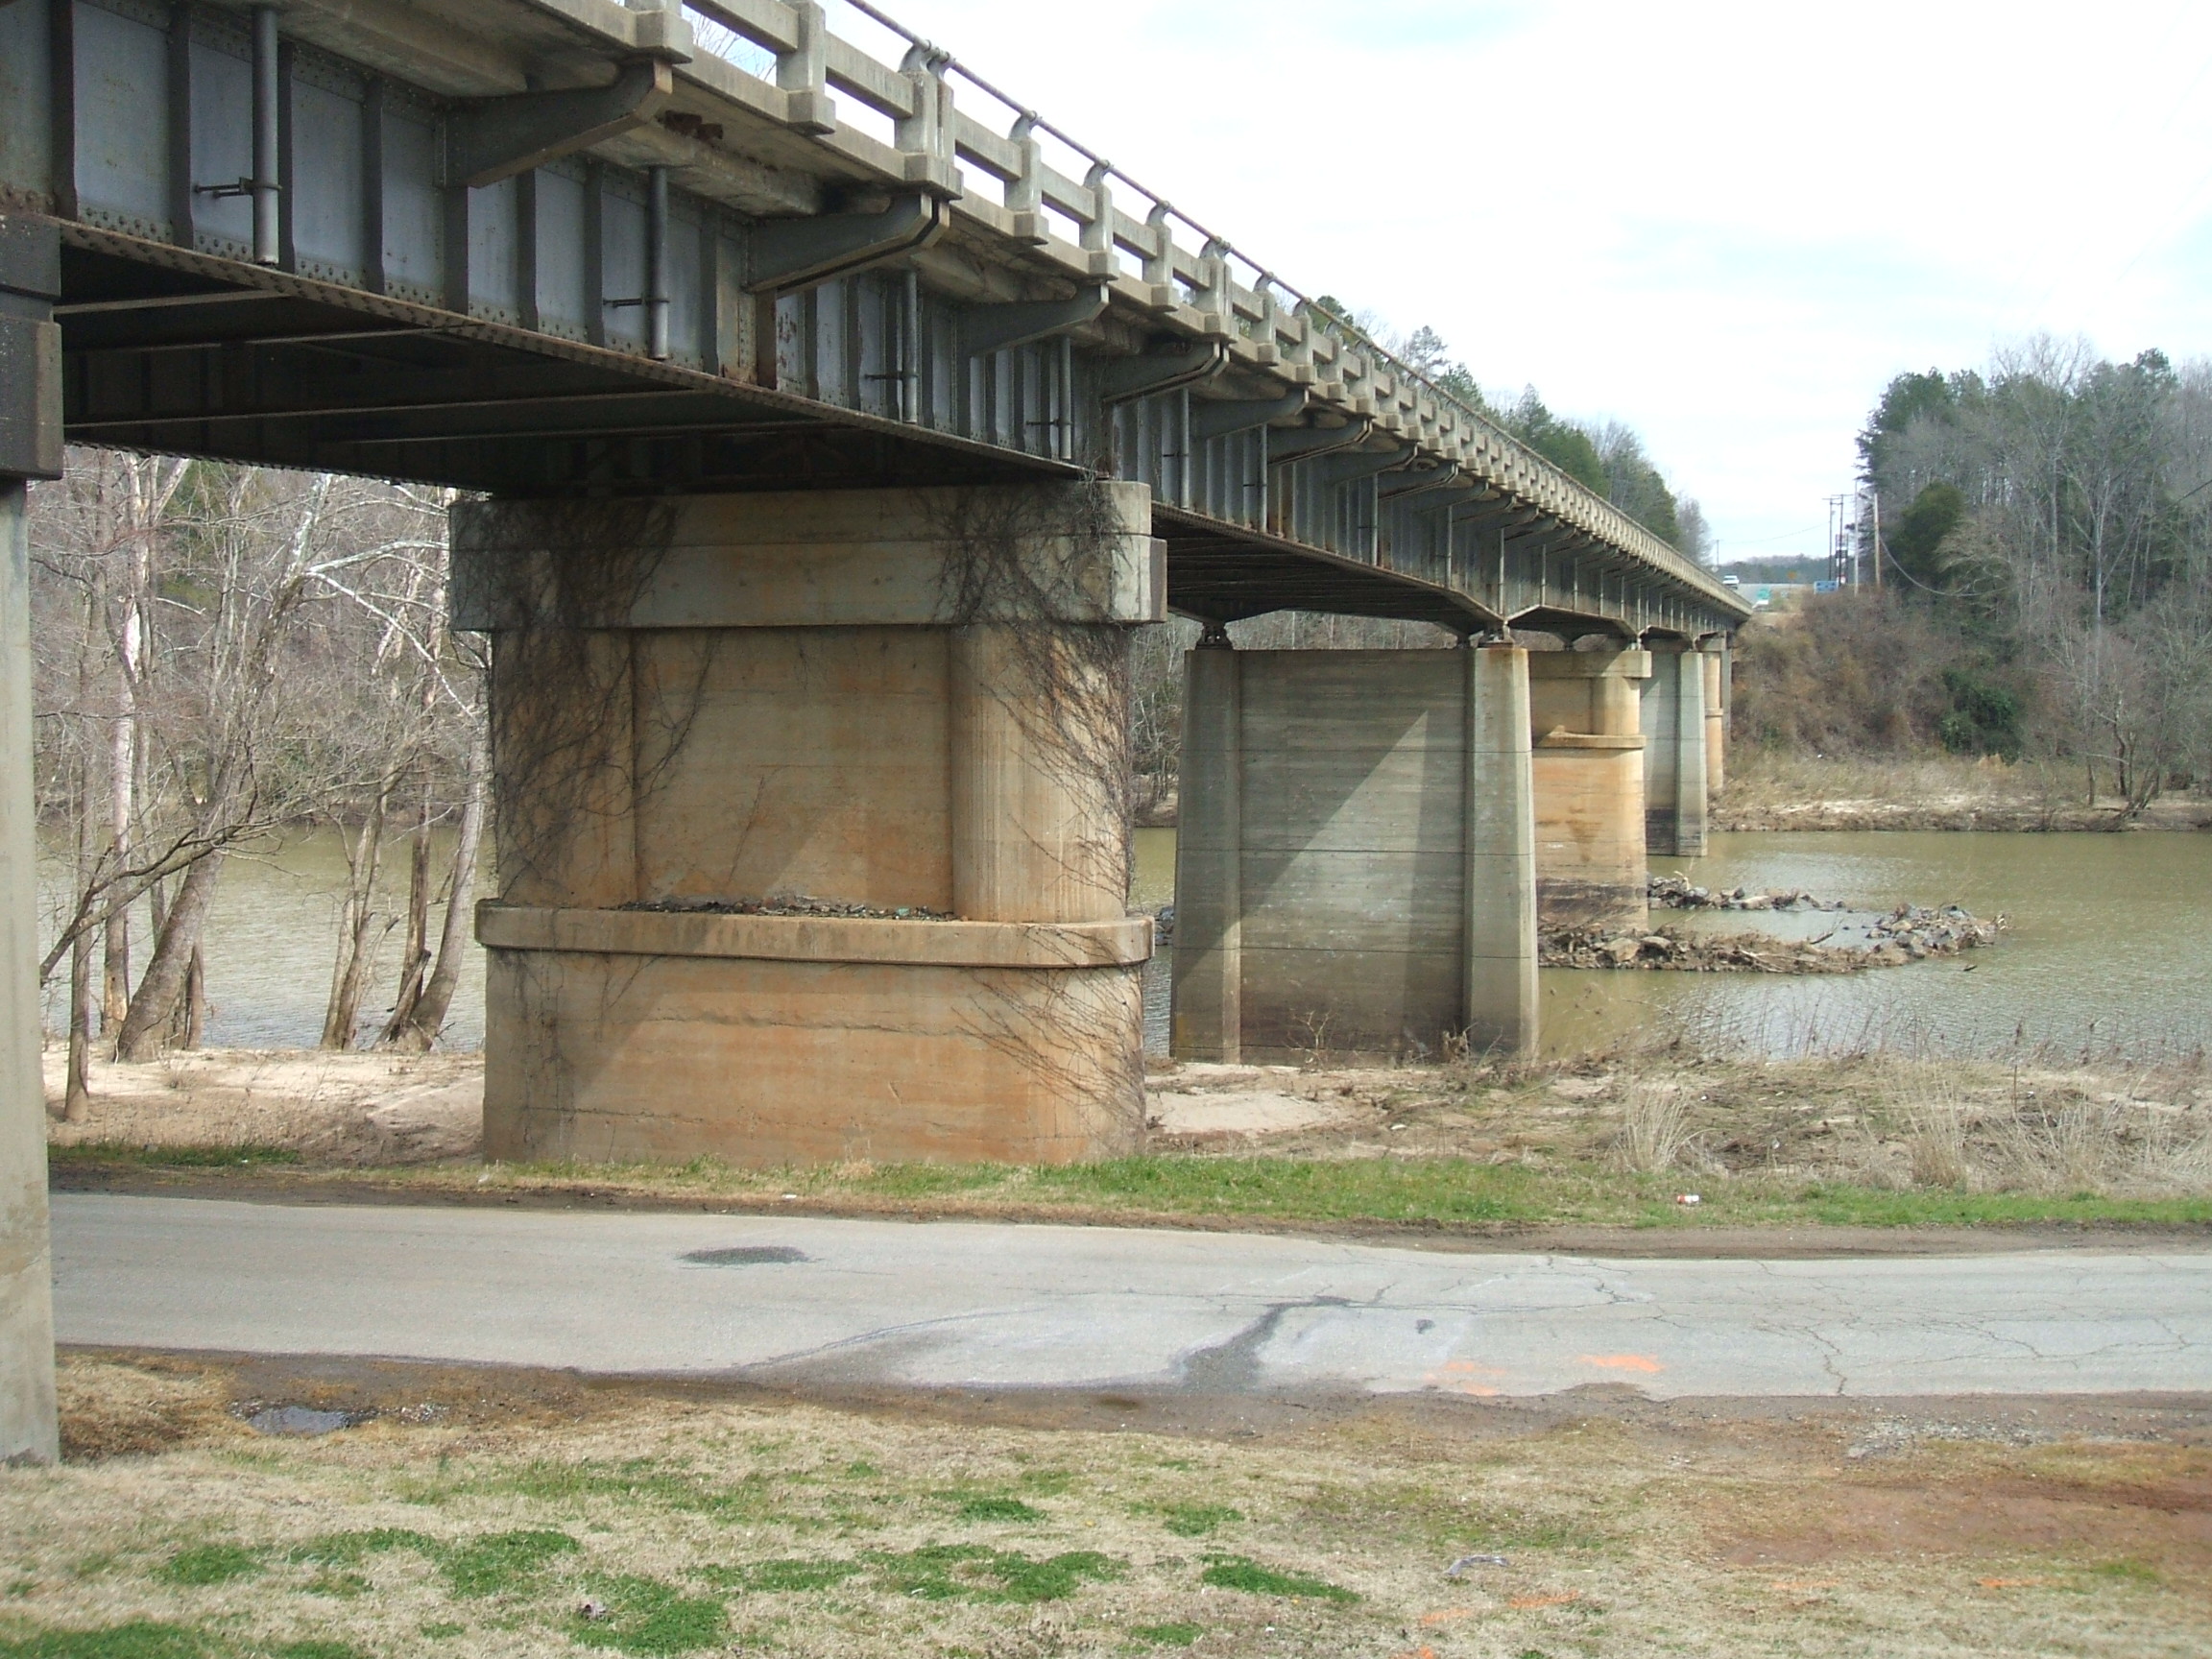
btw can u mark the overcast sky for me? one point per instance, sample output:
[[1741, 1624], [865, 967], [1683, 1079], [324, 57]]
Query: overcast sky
[[1725, 223]]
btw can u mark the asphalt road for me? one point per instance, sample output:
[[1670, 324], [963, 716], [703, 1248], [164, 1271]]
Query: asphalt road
[[886, 1303]]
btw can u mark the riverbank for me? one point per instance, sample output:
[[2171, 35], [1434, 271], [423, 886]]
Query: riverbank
[[1774, 789], [1621, 1139], [503, 1512]]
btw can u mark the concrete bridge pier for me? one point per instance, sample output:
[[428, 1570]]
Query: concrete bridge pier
[[1584, 711], [30, 447], [1714, 649], [909, 704], [1356, 867], [1675, 731]]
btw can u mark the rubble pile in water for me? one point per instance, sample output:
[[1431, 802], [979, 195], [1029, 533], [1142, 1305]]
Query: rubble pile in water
[[1909, 933]]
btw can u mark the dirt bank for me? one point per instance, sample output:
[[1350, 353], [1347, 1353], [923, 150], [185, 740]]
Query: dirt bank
[[1771, 790]]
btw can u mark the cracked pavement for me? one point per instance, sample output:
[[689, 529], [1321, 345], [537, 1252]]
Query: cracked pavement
[[801, 1302]]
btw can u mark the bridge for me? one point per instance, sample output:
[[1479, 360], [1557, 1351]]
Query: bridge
[[831, 419]]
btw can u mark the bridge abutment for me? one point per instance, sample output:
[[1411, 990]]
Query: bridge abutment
[[1674, 729], [1356, 862], [1589, 786], [907, 707]]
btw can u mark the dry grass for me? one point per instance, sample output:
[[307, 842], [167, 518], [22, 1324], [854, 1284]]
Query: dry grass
[[1798, 789], [727, 1527]]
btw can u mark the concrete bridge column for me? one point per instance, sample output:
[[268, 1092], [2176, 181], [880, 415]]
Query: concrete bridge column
[[30, 447], [1589, 782], [1355, 868], [1715, 650], [1675, 778], [907, 707]]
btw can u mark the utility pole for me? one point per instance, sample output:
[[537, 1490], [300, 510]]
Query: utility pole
[[1874, 508]]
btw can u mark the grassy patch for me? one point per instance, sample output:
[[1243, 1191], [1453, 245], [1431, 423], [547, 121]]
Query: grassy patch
[[1166, 1635], [634, 1481], [982, 1507], [783, 1576], [209, 1564], [1236, 1573], [173, 1157], [504, 1561], [1172, 1635], [645, 1616], [1197, 1520], [139, 1638], [977, 1573]]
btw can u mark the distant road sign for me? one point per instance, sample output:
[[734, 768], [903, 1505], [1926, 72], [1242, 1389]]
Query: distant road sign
[[1826, 587]]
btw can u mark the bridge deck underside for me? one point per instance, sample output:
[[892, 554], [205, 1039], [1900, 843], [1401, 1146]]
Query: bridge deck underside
[[182, 353]]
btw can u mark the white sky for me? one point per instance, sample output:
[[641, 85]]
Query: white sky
[[1726, 224]]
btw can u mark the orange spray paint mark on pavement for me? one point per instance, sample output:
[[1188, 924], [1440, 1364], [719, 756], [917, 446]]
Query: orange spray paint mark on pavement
[[1642, 1363], [1461, 1376]]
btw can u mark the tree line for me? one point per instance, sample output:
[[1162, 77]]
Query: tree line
[[2045, 540], [221, 652], [1607, 457]]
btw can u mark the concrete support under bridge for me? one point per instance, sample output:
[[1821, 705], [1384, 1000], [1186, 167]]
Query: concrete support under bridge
[[908, 701], [1356, 861], [30, 447]]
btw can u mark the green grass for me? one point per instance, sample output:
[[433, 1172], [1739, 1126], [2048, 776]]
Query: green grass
[[645, 1616], [140, 1639], [143, 1639], [1174, 1635], [209, 1564], [503, 1561], [172, 1157], [1236, 1573], [783, 1576], [984, 1509], [1197, 1520], [1443, 1193]]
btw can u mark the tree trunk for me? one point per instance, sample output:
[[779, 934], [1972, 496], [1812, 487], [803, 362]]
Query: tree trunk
[[167, 976], [415, 956], [428, 1017], [364, 862], [83, 1015]]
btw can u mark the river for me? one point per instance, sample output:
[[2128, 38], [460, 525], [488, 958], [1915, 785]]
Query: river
[[2110, 944]]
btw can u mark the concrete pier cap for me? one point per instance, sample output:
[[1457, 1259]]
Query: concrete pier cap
[[909, 704]]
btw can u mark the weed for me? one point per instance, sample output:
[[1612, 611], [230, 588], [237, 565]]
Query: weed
[[209, 1564], [443, 1632], [503, 1561], [1197, 1520], [645, 1616], [1176, 1635], [340, 1584], [1236, 1573]]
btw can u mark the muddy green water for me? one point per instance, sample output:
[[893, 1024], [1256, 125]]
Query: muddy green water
[[2110, 944], [272, 942]]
